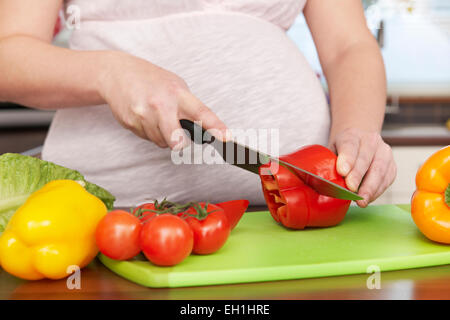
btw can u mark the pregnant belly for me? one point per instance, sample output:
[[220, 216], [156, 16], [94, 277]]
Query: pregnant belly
[[232, 62], [245, 69]]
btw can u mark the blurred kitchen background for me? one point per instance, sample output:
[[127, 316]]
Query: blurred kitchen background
[[414, 36]]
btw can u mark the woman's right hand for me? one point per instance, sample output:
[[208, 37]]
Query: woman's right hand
[[150, 101]]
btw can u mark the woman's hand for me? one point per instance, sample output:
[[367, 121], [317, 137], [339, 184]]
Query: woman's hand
[[365, 161], [150, 101]]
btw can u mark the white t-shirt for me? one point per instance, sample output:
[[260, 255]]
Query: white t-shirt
[[234, 55]]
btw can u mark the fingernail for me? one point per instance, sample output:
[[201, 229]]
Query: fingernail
[[366, 199], [345, 168], [362, 203], [343, 165], [352, 184]]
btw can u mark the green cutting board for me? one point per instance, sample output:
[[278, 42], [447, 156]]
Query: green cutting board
[[261, 250]]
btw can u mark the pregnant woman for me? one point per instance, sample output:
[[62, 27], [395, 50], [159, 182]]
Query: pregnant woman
[[134, 68]]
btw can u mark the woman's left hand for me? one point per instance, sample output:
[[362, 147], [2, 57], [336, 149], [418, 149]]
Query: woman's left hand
[[365, 161]]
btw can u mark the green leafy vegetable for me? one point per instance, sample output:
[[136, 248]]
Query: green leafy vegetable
[[21, 175]]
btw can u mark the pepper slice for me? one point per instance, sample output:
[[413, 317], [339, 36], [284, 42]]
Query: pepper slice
[[293, 203], [430, 204]]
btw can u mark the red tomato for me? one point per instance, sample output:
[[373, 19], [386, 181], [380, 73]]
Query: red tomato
[[143, 212], [234, 210], [211, 228], [117, 235], [166, 240]]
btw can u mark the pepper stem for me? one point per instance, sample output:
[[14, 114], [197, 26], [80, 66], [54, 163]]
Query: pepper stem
[[447, 195]]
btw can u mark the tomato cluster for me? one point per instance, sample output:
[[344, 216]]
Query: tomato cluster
[[166, 232]]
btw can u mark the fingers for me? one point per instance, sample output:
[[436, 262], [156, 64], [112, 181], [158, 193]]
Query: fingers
[[379, 176], [132, 122], [158, 120], [347, 150], [366, 162], [140, 121], [153, 133], [366, 153], [136, 128], [190, 107], [388, 180], [172, 132], [197, 111]]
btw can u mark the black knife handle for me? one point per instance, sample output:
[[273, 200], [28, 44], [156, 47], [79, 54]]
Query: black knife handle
[[196, 133]]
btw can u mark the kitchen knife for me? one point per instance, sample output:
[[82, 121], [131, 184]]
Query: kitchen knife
[[250, 160]]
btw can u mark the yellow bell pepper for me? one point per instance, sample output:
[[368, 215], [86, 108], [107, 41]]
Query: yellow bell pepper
[[52, 230], [430, 204]]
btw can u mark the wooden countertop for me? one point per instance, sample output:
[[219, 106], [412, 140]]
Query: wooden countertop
[[97, 282]]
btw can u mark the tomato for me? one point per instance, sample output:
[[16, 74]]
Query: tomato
[[143, 211], [117, 235], [147, 211], [210, 224], [234, 210], [293, 203], [210, 227], [166, 240]]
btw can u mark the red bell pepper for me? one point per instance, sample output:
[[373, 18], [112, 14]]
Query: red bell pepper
[[296, 205], [234, 209]]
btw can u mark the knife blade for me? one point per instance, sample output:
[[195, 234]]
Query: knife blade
[[248, 159]]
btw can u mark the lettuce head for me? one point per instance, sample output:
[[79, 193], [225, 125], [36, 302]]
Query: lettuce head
[[21, 175]]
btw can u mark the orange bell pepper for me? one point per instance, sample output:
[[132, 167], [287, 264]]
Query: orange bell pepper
[[430, 204]]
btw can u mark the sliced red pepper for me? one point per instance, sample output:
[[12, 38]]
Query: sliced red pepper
[[296, 205], [234, 210]]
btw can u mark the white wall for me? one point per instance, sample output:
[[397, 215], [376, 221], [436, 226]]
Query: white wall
[[408, 160]]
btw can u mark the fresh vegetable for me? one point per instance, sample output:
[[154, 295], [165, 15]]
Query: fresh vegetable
[[430, 204], [209, 225], [296, 205], [52, 230], [234, 210], [148, 210], [208, 222], [117, 235], [166, 240], [145, 211], [21, 175], [170, 231]]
